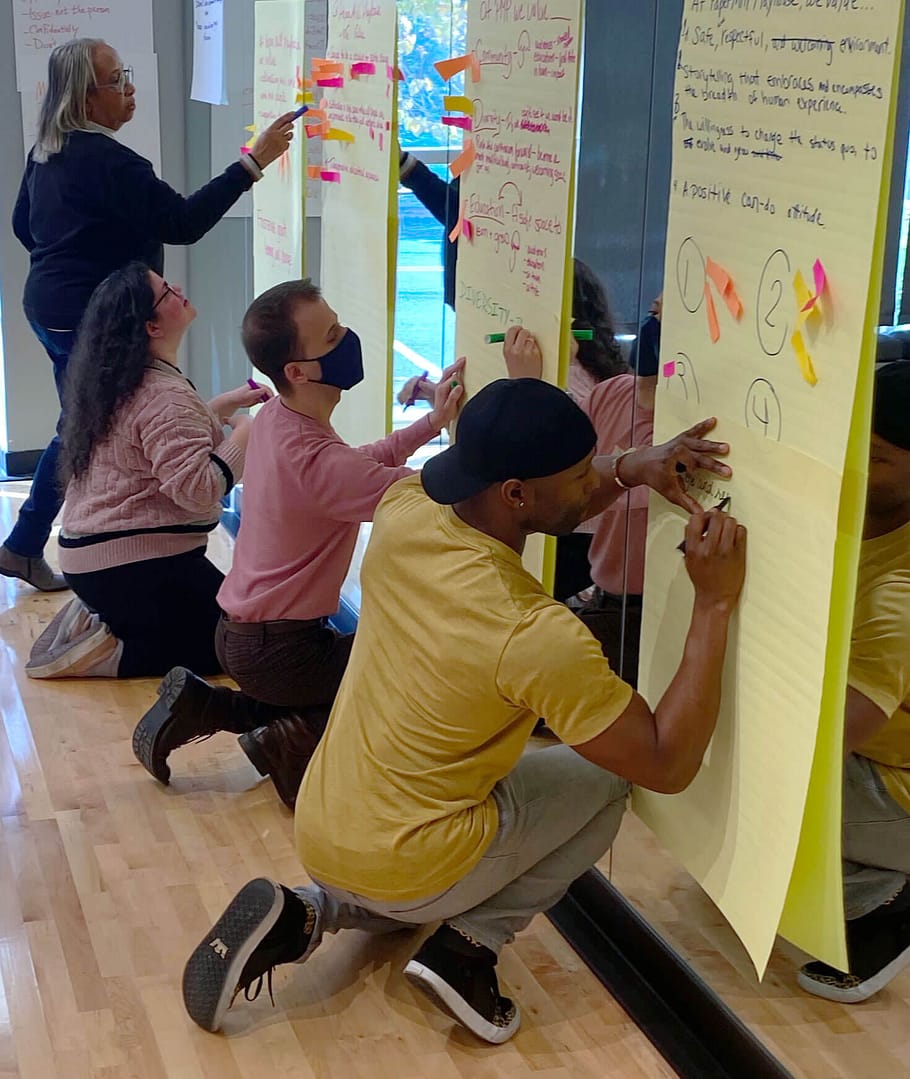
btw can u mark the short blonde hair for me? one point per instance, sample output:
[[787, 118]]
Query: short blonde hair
[[70, 76]]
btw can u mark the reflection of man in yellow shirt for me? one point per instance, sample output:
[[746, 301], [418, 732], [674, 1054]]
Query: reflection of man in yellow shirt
[[420, 805], [877, 733]]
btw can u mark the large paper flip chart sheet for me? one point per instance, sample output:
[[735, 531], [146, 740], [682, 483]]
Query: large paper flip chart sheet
[[39, 28], [356, 84], [208, 52], [781, 131], [517, 181], [278, 196]]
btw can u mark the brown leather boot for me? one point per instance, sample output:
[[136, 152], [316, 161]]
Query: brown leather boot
[[283, 748], [187, 710]]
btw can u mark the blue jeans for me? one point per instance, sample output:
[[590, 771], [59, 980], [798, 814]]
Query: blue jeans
[[36, 517]]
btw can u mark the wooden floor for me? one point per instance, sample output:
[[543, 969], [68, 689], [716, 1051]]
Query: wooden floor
[[814, 1038], [108, 880]]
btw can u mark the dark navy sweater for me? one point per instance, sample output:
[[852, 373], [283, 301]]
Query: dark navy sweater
[[94, 207], [441, 199]]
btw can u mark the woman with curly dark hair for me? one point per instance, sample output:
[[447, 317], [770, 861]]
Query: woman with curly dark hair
[[600, 358], [145, 464]]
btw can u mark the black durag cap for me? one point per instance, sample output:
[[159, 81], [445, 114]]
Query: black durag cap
[[513, 429], [891, 413]]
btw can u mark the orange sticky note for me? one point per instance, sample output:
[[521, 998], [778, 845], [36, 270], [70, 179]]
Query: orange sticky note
[[448, 69], [718, 275], [724, 283], [807, 368], [464, 160], [475, 67], [458, 104], [459, 224], [328, 67], [713, 325], [313, 171]]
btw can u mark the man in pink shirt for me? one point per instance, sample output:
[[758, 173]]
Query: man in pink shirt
[[306, 492]]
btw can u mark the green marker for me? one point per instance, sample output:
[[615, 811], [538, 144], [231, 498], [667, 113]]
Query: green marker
[[579, 335]]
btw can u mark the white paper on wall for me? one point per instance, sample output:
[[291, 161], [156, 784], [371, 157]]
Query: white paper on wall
[[208, 52], [230, 121], [38, 29], [315, 43]]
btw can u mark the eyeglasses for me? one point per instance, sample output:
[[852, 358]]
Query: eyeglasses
[[167, 291], [120, 83]]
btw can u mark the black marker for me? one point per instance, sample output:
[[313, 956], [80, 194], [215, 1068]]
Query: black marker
[[719, 508]]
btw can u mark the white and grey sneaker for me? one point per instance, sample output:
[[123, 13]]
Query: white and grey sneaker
[[73, 645]]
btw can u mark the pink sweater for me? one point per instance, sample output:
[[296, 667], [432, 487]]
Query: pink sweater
[[153, 487], [610, 407], [305, 494]]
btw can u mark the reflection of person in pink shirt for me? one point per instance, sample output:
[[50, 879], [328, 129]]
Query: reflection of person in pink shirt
[[622, 412]]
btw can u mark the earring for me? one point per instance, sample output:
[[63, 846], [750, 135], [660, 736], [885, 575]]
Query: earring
[[521, 505]]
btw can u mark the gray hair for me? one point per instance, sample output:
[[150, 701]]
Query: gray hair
[[70, 76]]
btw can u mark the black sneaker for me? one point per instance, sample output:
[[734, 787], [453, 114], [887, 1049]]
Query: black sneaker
[[460, 977], [878, 947], [264, 925]]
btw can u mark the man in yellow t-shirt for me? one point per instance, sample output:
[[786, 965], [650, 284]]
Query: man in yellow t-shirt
[[877, 729], [420, 805]]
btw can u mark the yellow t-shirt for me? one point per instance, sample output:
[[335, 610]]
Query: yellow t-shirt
[[458, 652], [880, 654]]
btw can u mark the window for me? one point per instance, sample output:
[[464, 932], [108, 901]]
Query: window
[[429, 31]]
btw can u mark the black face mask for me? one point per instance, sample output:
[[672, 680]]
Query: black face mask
[[343, 366]]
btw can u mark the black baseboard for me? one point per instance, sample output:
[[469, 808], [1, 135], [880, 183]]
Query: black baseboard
[[685, 1020], [19, 464]]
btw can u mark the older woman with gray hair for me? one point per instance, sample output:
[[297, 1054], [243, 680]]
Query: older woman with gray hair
[[87, 206]]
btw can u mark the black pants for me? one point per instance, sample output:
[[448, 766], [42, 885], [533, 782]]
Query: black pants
[[288, 664], [163, 609]]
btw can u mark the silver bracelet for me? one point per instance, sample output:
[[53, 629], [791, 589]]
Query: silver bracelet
[[616, 460]]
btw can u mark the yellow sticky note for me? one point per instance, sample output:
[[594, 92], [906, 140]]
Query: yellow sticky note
[[338, 135], [803, 297], [459, 103], [807, 368]]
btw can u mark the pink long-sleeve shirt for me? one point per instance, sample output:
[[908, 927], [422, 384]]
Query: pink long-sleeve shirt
[[153, 487], [305, 494], [620, 423]]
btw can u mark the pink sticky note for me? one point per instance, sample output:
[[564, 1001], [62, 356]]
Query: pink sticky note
[[670, 369], [464, 122], [467, 230], [244, 150], [336, 81], [363, 67], [330, 176], [821, 278]]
